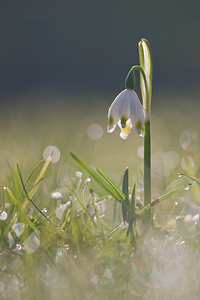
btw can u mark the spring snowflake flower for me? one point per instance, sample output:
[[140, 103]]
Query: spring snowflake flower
[[127, 112]]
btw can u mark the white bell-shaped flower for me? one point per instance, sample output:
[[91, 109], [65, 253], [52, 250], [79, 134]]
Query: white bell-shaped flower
[[128, 112]]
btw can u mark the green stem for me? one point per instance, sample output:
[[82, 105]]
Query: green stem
[[130, 78], [145, 69], [146, 90], [147, 167], [130, 84]]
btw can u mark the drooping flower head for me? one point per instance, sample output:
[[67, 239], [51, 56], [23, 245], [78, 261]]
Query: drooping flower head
[[127, 112]]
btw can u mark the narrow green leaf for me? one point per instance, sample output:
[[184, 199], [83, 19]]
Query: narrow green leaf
[[12, 196], [163, 197], [188, 176], [97, 178], [125, 203], [44, 168], [147, 65], [142, 83], [20, 210], [132, 214], [33, 171], [29, 199], [112, 184], [37, 181]]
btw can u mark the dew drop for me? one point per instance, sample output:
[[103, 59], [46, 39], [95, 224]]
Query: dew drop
[[18, 228], [18, 247], [3, 215], [57, 196], [78, 174], [88, 179], [32, 243], [176, 203], [187, 188], [45, 210], [182, 243], [179, 175]]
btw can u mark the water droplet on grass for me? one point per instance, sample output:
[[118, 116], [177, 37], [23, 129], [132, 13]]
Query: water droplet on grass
[[182, 243], [32, 243], [56, 195], [18, 247], [18, 228], [187, 188], [78, 174], [3, 215]]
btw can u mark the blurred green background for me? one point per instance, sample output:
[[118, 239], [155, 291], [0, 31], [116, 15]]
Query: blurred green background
[[63, 62], [89, 46]]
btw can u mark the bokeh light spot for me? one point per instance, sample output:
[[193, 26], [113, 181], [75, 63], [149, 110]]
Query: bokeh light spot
[[18, 228], [95, 131], [188, 163], [170, 159], [189, 140], [32, 243], [56, 153]]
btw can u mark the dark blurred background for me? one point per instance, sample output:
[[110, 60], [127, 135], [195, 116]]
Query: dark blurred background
[[87, 46]]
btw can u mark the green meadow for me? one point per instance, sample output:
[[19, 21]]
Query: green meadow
[[62, 231]]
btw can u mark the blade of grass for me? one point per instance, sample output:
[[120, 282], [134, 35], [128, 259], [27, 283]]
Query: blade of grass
[[28, 197], [33, 171], [125, 203], [163, 197], [37, 181], [112, 184], [188, 176], [132, 211], [98, 179], [21, 213]]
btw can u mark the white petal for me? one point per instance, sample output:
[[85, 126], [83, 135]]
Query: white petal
[[126, 111], [138, 115], [119, 108], [110, 129]]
